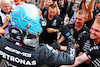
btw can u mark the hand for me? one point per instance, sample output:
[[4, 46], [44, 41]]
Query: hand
[[8, 17], [55, 45], [73, 1], [87, 61]]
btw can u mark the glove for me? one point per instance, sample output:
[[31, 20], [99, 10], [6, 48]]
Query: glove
[[55, 45], [93, 52], [66, 33]]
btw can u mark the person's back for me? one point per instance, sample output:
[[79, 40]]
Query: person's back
[[19, 55]]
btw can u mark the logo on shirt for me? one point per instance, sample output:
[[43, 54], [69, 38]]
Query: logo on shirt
[[87, 45], [72, 31], [43, 23], [54, 23]]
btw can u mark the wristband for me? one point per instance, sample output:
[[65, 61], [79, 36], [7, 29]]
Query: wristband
[[55, 30], [88, 55]]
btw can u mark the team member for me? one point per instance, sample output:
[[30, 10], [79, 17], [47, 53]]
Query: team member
[[5, 12], [96, 9], [90, 44], [78, 29], [89, 10], [51, 25], [45, 5], [21, 47]]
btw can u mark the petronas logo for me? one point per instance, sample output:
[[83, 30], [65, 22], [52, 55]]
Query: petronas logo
[[54, 23]]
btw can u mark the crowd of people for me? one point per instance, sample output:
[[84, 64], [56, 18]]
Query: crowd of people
[[35, 37]]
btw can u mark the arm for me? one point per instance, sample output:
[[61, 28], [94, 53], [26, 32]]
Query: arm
[[65, 5], [58, 10], [70, 7], [90, 8], [65, 32], [63, 9], [7, 20], [56, 45], [60, 57], [2, 31], [61, 39], [69, 10], [42, 4], [92, 53], [78, 60], [51, 30], [84, 5]]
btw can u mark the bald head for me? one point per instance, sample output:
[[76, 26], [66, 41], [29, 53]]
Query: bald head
[[6, 5], [5, 1]]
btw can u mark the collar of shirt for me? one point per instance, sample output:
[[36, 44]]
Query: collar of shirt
[[4, 12]]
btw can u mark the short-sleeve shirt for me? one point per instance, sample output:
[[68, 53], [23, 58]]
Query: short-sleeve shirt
[[76, 34], [46, 37]]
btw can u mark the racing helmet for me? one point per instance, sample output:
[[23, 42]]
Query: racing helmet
[[26, 18], [27, 15]]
